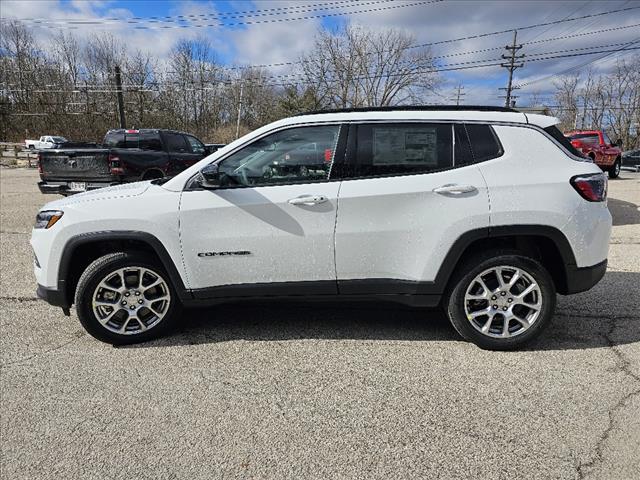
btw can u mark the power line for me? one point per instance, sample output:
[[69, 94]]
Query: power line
[[605, 30], [442, 68], [527, 27], [82, 88], [582, 65], [248, 22], [182, 17], [481, 35]]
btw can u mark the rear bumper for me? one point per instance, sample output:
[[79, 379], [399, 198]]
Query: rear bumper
[[52, 296], [62, 188], [583, 279]]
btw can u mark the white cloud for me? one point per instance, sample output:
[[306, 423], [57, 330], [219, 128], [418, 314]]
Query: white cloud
[[271, 42]]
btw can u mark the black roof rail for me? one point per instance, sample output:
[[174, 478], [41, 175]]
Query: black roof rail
[[413, 108]]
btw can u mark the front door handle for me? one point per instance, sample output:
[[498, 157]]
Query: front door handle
[[454, 189], [308, 200]]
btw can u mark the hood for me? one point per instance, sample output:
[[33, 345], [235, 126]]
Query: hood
[[117, 191]]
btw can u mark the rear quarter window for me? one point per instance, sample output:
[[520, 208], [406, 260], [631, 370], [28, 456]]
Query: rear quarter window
[[564, 141], [484, 143]]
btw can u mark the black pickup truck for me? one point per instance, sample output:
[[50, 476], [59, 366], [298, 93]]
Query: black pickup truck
[[124, 156]]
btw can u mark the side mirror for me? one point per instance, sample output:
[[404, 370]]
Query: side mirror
[[618, 142], [210, 176]]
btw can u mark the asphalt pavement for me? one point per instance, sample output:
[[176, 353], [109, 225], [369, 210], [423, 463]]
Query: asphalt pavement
[[308, 391]]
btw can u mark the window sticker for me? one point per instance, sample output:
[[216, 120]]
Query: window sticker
[[415, 146]]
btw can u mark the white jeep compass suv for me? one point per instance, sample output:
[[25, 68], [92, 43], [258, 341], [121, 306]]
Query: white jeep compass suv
[[486, 211]]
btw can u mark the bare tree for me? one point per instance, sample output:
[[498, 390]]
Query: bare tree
[[567, 99], [356, 67], [603, 101]]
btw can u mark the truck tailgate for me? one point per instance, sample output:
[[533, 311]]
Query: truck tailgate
[[75, 164]]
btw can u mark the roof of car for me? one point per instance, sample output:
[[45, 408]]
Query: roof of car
[[471, 113], [416, 108], [146, 130]]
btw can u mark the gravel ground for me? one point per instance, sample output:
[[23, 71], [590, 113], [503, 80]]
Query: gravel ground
[[286, 391]]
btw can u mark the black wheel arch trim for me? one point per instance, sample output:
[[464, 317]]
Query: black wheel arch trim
[[117, 235], [465, 240]]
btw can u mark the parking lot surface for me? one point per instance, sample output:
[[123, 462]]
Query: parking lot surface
[[317, 391]]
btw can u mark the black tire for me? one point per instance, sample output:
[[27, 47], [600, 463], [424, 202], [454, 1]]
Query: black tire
[[462, 279], [614, 171], [100, 269]]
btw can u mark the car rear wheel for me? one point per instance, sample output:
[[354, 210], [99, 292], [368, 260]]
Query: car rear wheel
[[614, 171], [126, 298], [501, 301]]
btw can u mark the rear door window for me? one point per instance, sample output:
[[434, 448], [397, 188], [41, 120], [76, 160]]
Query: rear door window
[[402, 149], [176, 143], [150, 141]]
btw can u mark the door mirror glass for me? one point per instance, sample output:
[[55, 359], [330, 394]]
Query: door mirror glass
[[210, 176]]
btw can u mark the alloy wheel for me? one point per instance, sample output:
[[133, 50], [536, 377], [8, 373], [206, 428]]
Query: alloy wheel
[[131, 300], [503, 302]]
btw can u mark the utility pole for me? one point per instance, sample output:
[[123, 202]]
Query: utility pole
[[120, 99], [511, 66], [239, 110], [459, 94]]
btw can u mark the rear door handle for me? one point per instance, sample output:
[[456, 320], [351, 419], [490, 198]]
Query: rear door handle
[[453, 189], [308, 200]]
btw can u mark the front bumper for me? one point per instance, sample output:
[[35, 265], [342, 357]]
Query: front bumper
[[52, 296], [63, 188], [583, 279]]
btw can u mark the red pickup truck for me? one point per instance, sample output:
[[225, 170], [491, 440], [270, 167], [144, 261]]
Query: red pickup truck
[[596, 145]]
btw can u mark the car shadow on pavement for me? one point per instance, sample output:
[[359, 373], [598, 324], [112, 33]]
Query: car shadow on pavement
[[623, 213], [585, 321]]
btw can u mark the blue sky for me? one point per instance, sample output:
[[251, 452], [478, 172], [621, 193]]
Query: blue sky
[[271, 42]]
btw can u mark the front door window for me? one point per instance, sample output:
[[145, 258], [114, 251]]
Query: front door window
[[296, 155]]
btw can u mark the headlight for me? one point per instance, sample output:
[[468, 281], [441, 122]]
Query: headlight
[[47, 218]]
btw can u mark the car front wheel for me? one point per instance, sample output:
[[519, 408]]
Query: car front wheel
[[126, 297], [501, 301]]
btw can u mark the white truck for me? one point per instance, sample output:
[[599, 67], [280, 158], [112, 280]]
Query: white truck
[[46, 141]]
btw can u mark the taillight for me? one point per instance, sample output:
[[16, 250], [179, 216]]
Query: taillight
[[40, 170], [114, 165], [591, 187]]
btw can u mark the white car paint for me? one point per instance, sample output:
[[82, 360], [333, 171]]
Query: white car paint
[[400, 228], [394, 227], [287, 242]]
